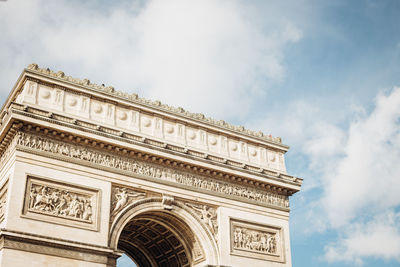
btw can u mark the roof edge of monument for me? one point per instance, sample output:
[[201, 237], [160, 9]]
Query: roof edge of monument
[[134, 98]]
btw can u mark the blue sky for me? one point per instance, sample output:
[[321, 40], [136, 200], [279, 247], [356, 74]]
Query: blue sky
[[323, 75]]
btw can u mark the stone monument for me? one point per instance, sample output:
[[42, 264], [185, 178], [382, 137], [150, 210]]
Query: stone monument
[[89, 173]]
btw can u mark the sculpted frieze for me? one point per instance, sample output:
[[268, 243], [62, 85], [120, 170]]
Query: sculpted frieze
[[255, 240], [150, 170], [47, 199], [54, 201]]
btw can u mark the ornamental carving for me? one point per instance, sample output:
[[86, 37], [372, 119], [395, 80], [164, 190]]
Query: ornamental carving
[[3, 200], [167, 201], [60, 202], [208, 216], [122, 197], [47, 199], [149, 170], [255, 240]]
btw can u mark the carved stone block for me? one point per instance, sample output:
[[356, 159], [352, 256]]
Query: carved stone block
[[62, 203], [208, 216], [122, 197], [257, 241], [3, 199]]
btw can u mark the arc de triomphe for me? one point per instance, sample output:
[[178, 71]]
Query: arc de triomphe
[[89, 173]]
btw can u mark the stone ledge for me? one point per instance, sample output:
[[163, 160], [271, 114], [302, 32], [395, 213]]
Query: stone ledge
[[270, 174], [56, 247]]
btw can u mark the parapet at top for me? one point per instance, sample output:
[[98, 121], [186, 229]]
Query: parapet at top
[[154, 104]]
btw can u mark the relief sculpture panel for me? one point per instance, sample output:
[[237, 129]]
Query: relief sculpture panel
[[256, 241], [61, 203]]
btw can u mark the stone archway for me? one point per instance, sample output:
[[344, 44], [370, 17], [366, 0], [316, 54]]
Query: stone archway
[[87, 172], [154, 233]]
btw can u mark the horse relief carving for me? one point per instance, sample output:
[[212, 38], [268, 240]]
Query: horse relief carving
[[59, 202]]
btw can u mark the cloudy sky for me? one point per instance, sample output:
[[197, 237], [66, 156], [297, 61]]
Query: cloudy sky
[[323, 75]]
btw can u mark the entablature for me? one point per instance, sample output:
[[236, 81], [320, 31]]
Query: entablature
[[46, 109], [51, 124]]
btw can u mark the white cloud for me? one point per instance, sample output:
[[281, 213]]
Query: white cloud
[[379, 238], [355, 166], [311, 132], [367, 176], [362, 190], [211, 56]]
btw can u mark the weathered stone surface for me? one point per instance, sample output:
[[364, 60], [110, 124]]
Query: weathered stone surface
[[88, 173]]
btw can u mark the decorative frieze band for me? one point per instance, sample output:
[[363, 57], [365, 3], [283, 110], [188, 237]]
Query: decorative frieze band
[[62, 203], [150, 170], [256, 240]]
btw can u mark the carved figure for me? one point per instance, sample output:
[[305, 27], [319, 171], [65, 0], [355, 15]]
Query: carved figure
[[254, 240], [122, 195], [109, 111], [84, 104], [58, 96], [53, 201], [208, 215], [62, 203], [87, 213]]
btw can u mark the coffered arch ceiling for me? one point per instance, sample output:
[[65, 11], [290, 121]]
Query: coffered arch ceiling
[[160, 239]]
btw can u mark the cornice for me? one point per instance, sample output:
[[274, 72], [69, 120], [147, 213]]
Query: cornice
[[55, 246], [62, 120], [40, 92], [134, 98]]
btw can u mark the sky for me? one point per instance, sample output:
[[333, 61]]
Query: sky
[[323, 75]]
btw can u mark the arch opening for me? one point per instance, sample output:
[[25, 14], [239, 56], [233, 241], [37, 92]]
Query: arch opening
[[159, 238], [126, 261]]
